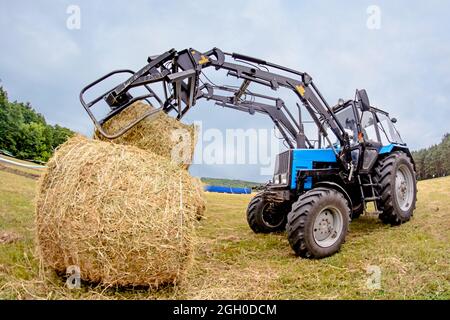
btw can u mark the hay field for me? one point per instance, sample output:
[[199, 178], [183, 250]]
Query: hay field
[[233, 262]]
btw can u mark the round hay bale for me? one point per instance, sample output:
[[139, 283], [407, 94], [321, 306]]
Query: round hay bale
[[161, 134], [124, 216]]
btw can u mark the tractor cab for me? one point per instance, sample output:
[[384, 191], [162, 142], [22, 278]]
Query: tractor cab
[[371, 131], [366, 124]]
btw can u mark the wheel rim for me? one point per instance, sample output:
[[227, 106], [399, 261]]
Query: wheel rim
[[328, 226], [270, 217], [404, 187]]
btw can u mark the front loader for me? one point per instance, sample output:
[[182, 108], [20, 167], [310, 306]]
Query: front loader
[[320, 184]]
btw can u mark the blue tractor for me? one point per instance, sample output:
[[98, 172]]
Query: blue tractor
[[319, 185]]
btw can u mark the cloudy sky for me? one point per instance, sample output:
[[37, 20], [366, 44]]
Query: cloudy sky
[[402, 59]]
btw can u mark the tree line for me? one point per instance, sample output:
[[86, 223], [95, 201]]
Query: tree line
[[434, 161], [25, 134]]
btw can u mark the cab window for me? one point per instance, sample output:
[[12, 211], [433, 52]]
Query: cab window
[[368, 127], [387, 130], [347, 119]]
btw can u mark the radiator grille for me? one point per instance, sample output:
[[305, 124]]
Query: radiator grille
[[282, 162]]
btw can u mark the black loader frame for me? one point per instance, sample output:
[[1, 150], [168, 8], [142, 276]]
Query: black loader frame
[[184, 75]]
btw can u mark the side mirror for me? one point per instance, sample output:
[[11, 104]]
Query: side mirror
[[363, 99], [394, 120]]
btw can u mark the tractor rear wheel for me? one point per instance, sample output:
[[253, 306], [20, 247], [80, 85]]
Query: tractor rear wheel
[[397, 188], [264, 216], [318, 223]]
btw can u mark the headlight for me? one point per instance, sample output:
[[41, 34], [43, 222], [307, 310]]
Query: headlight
[[280, 178], [276, 179]]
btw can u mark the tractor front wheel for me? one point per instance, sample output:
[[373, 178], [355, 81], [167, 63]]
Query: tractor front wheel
[[397, 188], [264, 216], [318, 223]]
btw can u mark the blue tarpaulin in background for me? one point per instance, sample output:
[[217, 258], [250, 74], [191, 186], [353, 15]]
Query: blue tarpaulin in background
[[221, 189]]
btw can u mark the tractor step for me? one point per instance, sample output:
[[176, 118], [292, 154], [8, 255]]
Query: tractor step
[[371, 199], [370, 184], [373, 213]]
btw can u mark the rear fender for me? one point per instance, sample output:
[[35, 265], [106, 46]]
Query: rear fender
[[387, 150]]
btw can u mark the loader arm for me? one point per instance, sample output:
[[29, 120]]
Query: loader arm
[[180, 73]]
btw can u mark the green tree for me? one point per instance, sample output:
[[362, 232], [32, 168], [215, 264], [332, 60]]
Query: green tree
[[60, 135], [433, 161], [25, 133]]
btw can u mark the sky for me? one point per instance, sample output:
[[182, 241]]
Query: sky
[[398, 51]]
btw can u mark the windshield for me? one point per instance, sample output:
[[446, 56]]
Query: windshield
[[388, 132]]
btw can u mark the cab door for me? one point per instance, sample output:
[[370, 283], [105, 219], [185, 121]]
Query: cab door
[[369, 138]]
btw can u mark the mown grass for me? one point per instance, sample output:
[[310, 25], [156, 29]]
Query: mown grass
[[233, 262], [23, 169]]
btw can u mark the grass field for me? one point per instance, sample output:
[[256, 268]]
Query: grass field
[[233, 262]]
